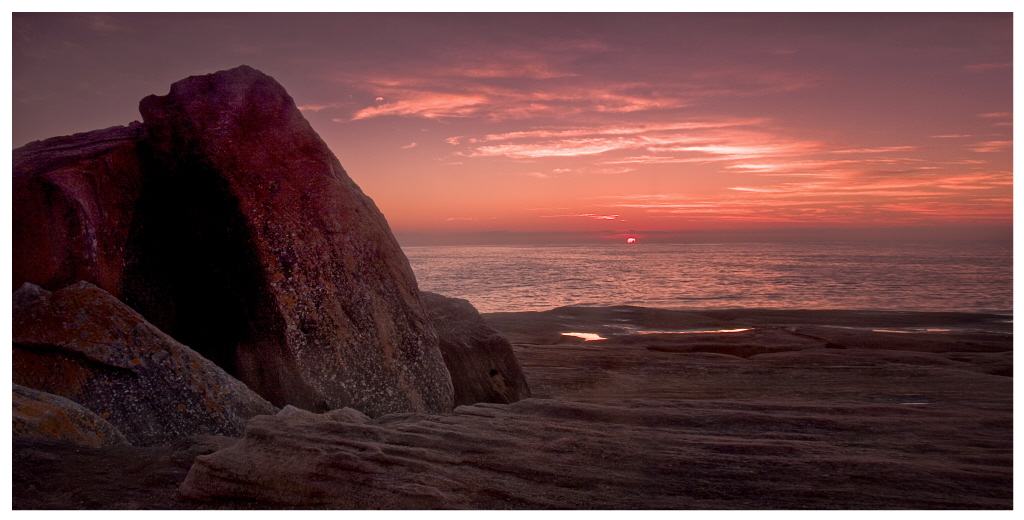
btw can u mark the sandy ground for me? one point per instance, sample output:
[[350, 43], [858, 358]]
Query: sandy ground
[[803, 409]]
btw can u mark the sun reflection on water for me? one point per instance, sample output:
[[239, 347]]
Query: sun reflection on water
[[720, 331], [590, 336], [585, 335]]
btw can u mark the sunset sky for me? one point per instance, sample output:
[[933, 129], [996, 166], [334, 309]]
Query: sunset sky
[[605, 123]]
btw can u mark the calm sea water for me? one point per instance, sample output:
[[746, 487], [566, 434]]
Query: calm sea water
[[975, 277]]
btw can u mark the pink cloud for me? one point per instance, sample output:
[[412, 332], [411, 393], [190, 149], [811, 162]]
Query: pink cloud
[[993, 146], [620, 129], [700, 141], [533, 70], [427, 105], [317, 108], [461, 96], [560, 148]]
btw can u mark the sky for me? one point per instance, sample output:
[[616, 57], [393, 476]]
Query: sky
[[600, 125]]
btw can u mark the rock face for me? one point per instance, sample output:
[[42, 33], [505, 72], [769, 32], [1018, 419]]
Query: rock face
[[226, 221], [83, 344], [480, 360], [74, 205], [42, 415]]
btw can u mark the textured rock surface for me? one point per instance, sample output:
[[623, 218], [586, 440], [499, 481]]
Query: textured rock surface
[[622, 425], [226, 221], [480, 360], [74, 206], [638, 455], [50, 474], [669, 421], [315, 303], [85, 345], [42, 415]]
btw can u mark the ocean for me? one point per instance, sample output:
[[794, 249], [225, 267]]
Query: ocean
[[925, 276]]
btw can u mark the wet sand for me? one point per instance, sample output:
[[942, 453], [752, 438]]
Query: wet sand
[[801, 410]]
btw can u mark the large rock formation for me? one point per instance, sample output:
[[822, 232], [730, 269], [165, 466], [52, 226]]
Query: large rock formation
[[48, 416], [83, 344], [74, 205], [481, 362], [226, 221]]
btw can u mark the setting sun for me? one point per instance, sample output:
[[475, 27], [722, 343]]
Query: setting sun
[[630, 240]]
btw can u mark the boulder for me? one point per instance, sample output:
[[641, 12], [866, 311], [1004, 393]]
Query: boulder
[[74, 204], [83, 344], [480, 360], [226, 221], [42, 415]]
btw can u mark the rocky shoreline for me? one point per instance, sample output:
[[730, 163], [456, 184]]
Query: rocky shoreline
[[209, 313], [841, 418]]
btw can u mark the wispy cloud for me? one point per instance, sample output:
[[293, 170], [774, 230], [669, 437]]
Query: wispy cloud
[[554, 133], [937, 197], [103, 23], [841, 168], [498, 104], [696, 141], [882, 149], [317, 108], [545, 85], [982, 67], [584, 215], [428, 105], [407, 146], [993, 146]]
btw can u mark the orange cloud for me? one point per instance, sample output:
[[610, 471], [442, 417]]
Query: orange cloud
[[883, 149], [780, 207], [743, 151], [584, 215], [562, 148]]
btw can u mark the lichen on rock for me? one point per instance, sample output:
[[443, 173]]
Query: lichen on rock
[[43, 415], [83, 344]]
